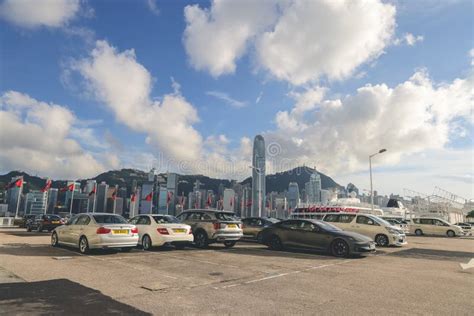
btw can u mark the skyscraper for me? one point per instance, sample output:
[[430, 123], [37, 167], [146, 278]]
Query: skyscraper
[[293, 195], [172, 187], [229, 200], [101, 201], [258, 176], [313, 188]]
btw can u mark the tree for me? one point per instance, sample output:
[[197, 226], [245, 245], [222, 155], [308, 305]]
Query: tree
[[471, 214]]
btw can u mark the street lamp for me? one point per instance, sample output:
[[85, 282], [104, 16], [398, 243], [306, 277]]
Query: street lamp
[[259, 190], [371, 186]]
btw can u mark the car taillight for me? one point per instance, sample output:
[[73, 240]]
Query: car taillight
[[103, 230], [242, 225], [163, 231], [190, 231], [134, 230], [217, 225]]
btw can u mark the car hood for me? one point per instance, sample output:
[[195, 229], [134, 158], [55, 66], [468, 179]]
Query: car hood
[[356, 236]]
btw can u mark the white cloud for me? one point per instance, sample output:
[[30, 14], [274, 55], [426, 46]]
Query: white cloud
[[413, 117], [36, 137], [227, 99], [471, 54], [153, 7], [408, 39], [124, 86], [36, 13], [296, 40], [216, 37]]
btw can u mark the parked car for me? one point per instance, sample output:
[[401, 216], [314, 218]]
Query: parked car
[[466, 227], [159, 230], [434, 226], [96, 231], [252, 227], [211, 226], [21, 222], [44, 222], [316, 235], [371, 226], [399, 224]]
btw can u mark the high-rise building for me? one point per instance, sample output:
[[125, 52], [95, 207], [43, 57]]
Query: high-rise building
[[313, 189], [90, 186], [146, 205], [293, 195], [52, 200], [258, 177], [172, 187], [163, 206], [101, 199], [35, 203], [229, 200], [246, 202]]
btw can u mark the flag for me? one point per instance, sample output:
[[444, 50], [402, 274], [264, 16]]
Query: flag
[[149, 197], [68, 188], [182, 201], [47, 186], [17, 183], [114, 194], [249, 203], [133, 197], [209, 200], [92, 192]]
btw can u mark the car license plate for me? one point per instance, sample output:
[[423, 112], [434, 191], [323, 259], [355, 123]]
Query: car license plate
[[179, 230], [120, 231], [55, 222], [232, 226]]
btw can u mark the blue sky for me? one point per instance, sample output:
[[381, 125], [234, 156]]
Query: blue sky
[[224, 105]]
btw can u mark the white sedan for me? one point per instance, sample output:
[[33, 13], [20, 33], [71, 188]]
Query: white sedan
[[159, 230], [96, 231]]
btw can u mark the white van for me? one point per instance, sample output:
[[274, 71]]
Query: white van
[[381, 231], [434, 226]]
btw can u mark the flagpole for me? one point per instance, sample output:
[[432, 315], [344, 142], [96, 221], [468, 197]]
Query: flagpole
[[72, 197], [95, 198], [18, 201]]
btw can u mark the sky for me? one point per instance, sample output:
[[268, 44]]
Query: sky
[[185, 86]]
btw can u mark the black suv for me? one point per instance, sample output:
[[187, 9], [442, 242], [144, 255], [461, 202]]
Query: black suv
[[42, 222]]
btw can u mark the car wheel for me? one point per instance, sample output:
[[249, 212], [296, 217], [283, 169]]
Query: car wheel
[[450, 233], [127, 249], [83, 245], [200, 239], [339, 248], [260, 238], [54, 240], [418, 232], [382, 240], [229, 244], [275, 243], [146, 243]]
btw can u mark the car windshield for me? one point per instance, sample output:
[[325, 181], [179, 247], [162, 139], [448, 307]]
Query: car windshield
[[226, 216], [109, 219], [380, 221], [54, 218], [326, 226], [166, 219]]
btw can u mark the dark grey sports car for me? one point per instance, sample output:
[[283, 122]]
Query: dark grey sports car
[[315, 235]]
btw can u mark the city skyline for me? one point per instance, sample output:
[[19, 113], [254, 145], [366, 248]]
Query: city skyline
[[100, 94]]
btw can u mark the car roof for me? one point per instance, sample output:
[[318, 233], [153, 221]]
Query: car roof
[[207, 210]]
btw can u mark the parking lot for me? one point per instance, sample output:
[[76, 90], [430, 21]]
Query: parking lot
[[424, 277]]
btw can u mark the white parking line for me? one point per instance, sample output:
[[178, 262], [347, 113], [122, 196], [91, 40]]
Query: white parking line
[[282, 275]]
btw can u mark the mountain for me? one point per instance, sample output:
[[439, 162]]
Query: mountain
[[125, 177], [279, 182]]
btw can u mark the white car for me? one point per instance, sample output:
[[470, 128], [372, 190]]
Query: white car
[[381, 231], [158, 230], [434, 226], [96, 231]]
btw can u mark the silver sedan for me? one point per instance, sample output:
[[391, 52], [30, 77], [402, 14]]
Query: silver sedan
[[96, 231]]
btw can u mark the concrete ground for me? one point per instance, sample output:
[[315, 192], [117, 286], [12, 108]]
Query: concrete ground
[[424, 277]]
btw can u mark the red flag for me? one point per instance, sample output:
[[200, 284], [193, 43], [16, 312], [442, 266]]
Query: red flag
[[149, 197], [133, 197], [17, 183], [114, 194], [68, 188], [249, 203], [209, 200], [92, 192], [47, 186]]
